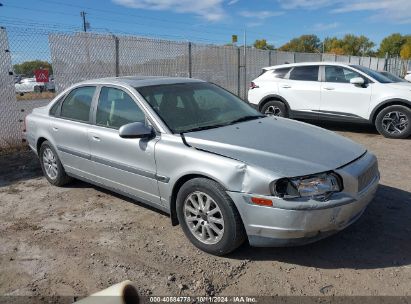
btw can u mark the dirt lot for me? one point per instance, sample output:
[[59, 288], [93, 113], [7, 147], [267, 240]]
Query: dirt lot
[[80, 239]]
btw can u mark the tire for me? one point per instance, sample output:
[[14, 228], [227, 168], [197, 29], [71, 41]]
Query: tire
[[223, 211], [394, 122], [36, 89], [51, 165], [275, 108]]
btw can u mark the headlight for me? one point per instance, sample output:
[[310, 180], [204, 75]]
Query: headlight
[[318, 187]]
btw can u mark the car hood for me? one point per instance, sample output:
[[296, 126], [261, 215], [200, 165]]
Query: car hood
[[284, 146]]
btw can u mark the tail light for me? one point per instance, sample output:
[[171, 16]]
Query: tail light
[[253, 86]]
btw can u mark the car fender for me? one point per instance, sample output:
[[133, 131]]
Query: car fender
[[387, 102]]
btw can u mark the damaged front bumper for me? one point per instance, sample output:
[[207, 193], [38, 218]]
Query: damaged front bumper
[[290, 223]]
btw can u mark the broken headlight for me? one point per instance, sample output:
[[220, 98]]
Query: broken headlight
[[318, 187]]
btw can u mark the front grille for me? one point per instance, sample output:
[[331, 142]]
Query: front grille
[[367, 176]]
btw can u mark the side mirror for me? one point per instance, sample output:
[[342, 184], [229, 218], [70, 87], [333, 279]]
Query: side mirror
[[136, 130], [357, 81]]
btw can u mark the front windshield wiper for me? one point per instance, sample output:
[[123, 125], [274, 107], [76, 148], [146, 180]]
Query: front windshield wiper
[[245, 118], [204, 128]]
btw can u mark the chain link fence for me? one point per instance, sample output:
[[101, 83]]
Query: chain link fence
[[79, 56]]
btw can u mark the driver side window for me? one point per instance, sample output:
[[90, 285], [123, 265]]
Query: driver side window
[[116, 108], [339, 74]]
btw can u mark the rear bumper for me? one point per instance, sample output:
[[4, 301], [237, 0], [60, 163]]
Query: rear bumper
[[298, 223]]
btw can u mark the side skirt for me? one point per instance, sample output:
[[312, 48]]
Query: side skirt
[[129, 195]]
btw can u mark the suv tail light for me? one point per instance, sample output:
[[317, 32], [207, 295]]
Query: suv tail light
[[253, 86]]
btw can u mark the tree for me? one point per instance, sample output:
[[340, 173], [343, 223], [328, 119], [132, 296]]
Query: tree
[[349, 45], [392, 45], [262, 45], [304, 43], [357, 45], [27, 68], [405, 52]]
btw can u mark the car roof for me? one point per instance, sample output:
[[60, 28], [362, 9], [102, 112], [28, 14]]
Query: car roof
[[289, 65], [141, 81]]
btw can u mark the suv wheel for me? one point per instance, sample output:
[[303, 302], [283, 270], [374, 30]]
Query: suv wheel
[[274, 108], [394, 122], [208, 217], [50, 164]]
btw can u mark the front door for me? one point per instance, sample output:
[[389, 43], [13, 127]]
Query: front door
[[341, 99], [125, 164]]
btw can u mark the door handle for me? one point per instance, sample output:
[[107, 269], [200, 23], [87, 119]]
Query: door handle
[[328, 88], [96, 138], [55, 129], [286, 86]]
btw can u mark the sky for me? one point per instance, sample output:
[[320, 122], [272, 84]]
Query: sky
[[214, 21]]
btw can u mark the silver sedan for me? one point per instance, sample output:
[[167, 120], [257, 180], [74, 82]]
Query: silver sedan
[[222, 171]]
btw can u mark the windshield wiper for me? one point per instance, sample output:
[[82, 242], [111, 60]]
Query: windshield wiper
[[245, 118], [204, 128]]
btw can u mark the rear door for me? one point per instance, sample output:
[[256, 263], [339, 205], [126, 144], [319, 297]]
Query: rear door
[[125, 164], [69, 129], [339, 98], [301, 89]]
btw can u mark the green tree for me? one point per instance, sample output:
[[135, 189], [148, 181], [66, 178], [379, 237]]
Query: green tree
[[357, 45], [349, 45], [392, 45], [27, 68], [304, 43], [262, 45]]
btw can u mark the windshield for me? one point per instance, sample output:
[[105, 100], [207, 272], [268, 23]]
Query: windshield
[[392, 77], [372, 73], [187, 107]]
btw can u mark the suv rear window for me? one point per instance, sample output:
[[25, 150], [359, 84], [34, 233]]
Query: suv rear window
[[307, 73], [280, 73]]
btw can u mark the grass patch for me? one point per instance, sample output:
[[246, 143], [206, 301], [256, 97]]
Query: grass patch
[[34, 95]]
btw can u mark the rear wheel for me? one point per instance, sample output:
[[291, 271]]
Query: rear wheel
[[50, 164], [394, 122], [274, 108], [208, 217]]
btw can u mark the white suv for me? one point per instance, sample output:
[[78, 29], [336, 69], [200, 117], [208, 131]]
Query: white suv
[[334, 91]]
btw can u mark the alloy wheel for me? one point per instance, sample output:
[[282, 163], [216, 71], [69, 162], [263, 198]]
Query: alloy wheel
[[395, 122], [50, 163], [204, 217], [273, 111]]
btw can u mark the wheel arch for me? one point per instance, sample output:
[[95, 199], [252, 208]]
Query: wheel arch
[[40, 141], [387, 103], [177, 186], [273, 97]]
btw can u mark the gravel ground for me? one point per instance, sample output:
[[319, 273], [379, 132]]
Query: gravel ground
[[79, 239]]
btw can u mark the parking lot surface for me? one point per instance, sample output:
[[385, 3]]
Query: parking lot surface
[[79, 239]]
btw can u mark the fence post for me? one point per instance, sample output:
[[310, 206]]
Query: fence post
[[117, 55], [294, 57], [269, 58], [190, 64], [238, 71]]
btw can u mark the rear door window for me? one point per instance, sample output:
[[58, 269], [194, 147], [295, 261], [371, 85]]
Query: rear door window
[[306, 73], [77, 104], [281, 73]]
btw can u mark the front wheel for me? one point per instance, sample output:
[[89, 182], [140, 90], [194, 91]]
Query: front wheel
[[208, 217], [394, 122]]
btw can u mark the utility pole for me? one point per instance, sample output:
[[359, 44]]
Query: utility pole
[[83, 16]]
